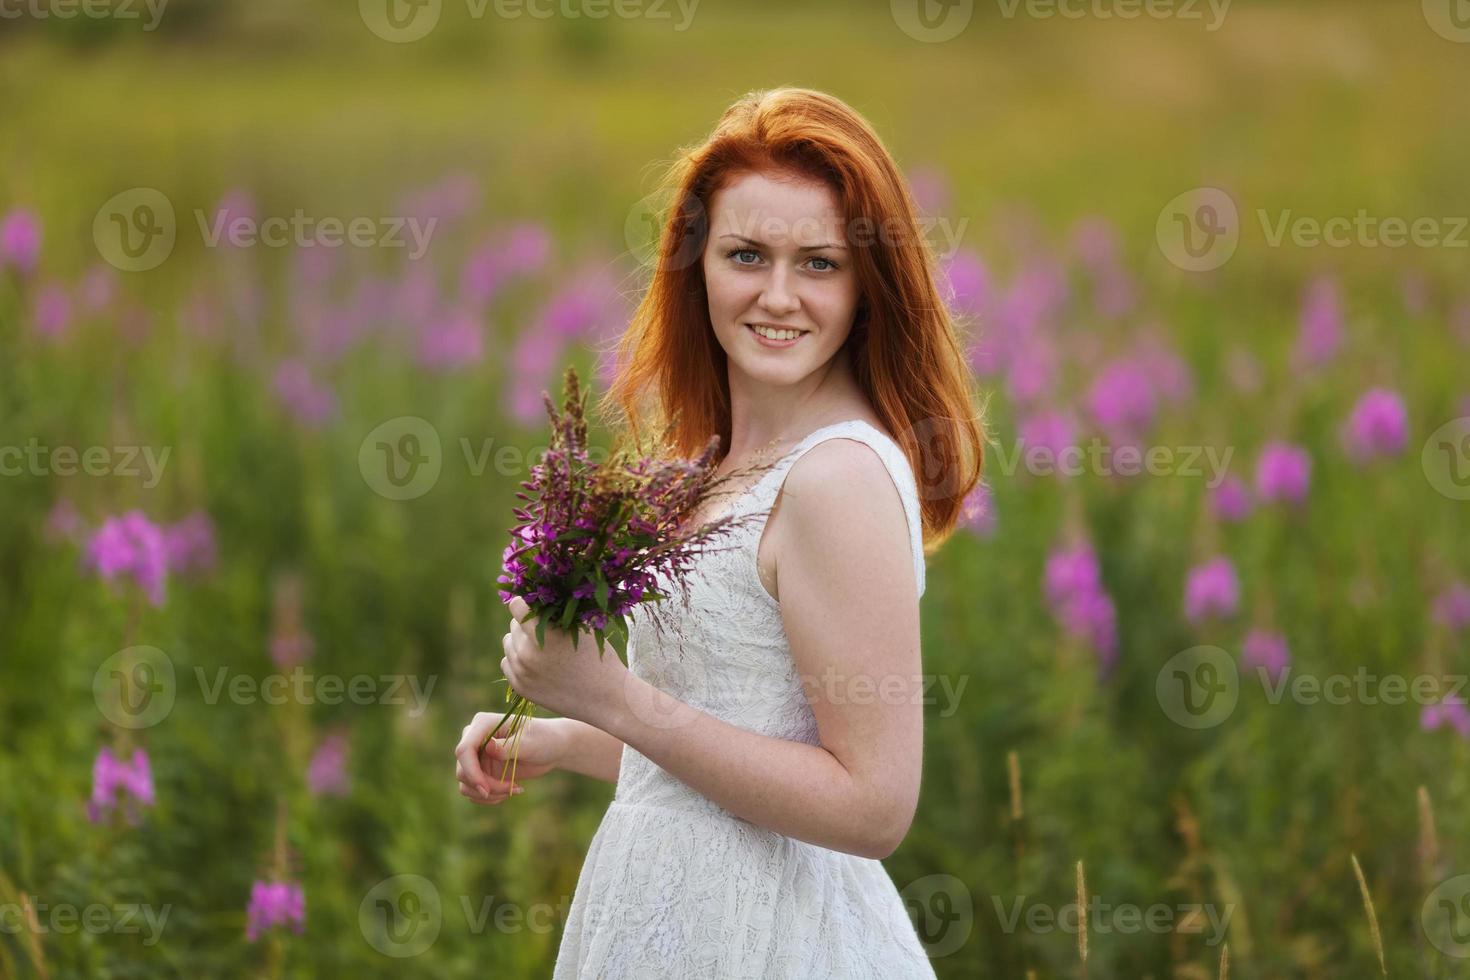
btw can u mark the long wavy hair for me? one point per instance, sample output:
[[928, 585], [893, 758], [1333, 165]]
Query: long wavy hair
[[670, 370]]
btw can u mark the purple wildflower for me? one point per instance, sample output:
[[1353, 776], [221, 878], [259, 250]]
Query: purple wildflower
[[1378, 426], [189, 543], [454, 341], [1320, 326], [20, 240], [326, 773], [1211, 589], [1283, 472], [133, 546], [521, 252], [1232, 500], [310, 401], [1044, 436], [977, 511], [272, 904], [52, 314], [1073, 587], [118, 784], [1267, 651], [968, 282], [1122, 398], [1452, 606], [1449, 711], [97, 288]]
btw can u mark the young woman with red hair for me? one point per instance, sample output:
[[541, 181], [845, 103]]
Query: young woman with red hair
[[770, 758]]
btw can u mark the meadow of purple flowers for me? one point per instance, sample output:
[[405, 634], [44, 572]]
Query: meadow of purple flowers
[[1203, 631]]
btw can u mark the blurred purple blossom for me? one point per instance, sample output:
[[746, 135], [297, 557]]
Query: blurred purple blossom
[[977, 511], [1232, 500], [120, 785], [20, 240], [1050, 431], [1032, 370], [1377, 426], [1450, 711], [132, 546], [1122, 399], [52, 314], [1211, 590], [1266, 650], [1283, 472], [448, 200], [326, 773], [273, 904], [310, 401], [237, 205], [521, 251], [967, 282], [1320, 325], [1073, 588], [929, 188], [63, 523], [98, 288], [189, 543], [453, 341], [1452, 606]]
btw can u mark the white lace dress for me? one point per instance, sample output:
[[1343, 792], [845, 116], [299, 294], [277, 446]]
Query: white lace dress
[[674, 886]]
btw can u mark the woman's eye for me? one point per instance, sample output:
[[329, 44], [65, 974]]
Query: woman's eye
[[828, 266], [735, 253]]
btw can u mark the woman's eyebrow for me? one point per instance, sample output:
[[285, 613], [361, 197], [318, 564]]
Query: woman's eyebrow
[[804, 248]]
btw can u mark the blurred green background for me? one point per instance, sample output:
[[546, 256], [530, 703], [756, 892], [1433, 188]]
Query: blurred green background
[[1049, 153]]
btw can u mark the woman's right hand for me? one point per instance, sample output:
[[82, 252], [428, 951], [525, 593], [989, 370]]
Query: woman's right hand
[[542, 749]]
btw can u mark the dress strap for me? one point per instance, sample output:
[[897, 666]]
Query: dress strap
[[894, 461]]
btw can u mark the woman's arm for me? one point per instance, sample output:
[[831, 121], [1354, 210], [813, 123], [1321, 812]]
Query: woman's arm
[[590, 751], [849, 605]]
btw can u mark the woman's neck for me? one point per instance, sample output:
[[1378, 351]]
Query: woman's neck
[[762, 416]]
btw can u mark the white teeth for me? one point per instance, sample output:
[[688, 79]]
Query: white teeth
[[777, 334]]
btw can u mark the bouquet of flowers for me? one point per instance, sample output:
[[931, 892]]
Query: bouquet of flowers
[[595, 540]]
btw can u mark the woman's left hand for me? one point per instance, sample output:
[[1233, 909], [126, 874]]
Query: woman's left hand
[[573, 682]]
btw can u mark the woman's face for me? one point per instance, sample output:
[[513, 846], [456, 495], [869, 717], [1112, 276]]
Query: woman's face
[[777, 257]]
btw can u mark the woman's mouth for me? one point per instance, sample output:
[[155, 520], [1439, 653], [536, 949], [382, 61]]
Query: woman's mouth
[[775, 336]]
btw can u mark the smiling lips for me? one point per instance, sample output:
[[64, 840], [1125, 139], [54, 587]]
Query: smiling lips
[[776, 336]]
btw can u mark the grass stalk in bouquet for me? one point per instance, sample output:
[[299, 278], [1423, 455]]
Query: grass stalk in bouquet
[[596, 540]]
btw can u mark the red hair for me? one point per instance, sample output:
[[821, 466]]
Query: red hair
[[904, 348]]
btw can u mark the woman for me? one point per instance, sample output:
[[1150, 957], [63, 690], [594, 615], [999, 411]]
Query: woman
[[768, 759]]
